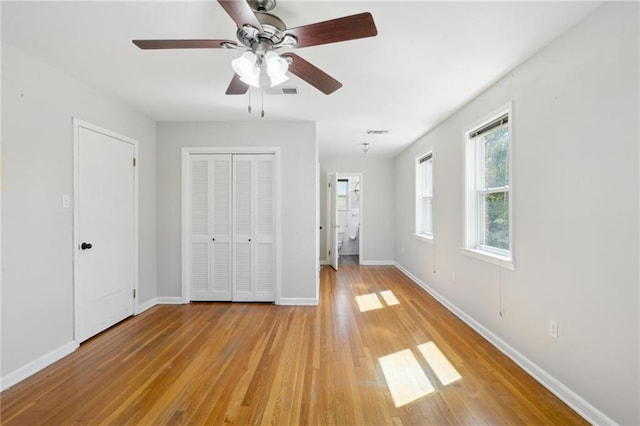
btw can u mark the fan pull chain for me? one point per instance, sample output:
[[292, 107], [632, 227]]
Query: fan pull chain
[[249, 107], [262, 103]]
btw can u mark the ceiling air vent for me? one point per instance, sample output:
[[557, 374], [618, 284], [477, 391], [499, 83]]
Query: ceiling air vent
[[283, 91], [377, 132]]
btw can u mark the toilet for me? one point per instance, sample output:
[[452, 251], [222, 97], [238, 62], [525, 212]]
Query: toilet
[[340, 238]]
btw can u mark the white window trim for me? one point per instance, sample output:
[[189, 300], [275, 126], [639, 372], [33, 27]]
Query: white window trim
[[469, 219], [418, 184]]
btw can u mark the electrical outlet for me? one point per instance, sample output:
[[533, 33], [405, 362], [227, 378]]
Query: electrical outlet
[[553, 329], [65, 201]]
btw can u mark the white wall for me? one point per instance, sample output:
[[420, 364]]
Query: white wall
[[575, 194], [377, 210], [38, 103], [298, 154]]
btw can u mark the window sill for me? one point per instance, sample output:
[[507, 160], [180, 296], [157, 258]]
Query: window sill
[[502, 261], [423, 237]]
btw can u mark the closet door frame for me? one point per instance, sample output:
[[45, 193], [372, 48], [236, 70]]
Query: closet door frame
[[186, 208]]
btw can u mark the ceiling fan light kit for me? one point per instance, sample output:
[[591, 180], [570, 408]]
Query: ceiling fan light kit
[[261, 33]]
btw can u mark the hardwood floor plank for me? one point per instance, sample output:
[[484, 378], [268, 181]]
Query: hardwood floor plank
[[215, 363]]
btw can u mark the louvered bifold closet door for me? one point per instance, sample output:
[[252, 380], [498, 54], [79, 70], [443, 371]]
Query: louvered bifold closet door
[[264, 252], [253, 219], [211, 227]]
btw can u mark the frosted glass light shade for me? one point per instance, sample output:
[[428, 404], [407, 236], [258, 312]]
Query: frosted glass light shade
[[277, 68], [245, 64], [278, 79], [252, 79]]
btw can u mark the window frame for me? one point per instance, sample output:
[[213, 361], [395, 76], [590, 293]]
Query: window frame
[[419, 197], [474, 191]]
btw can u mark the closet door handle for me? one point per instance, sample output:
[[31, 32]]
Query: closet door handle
[[213, 239], [85, 246], [249, 240]]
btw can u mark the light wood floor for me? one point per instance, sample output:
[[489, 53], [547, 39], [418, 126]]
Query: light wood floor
[[213, 363]]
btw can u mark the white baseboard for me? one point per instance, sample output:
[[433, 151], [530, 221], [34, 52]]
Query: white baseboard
[[170, 301], [324, 262], [298, 301], [33, 367], [569, 397], [146, 305], [377, 262]]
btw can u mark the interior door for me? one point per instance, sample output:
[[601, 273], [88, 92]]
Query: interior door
[[210, 201], [333, 220], [105, 230]]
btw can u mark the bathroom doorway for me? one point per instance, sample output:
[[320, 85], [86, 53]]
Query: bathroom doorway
[[346, 211]]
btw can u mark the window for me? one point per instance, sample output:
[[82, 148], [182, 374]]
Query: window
[[424, 196], [488, 192], [342, 200]]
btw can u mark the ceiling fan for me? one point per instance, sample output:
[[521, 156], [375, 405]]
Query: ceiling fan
[[261, 34]]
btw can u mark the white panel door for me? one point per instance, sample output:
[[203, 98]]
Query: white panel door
[[105, 231], [253, 228], [210, 201]]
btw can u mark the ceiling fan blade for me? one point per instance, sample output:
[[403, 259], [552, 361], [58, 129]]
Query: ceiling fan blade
[[237, 86], [335, 30], [241, 13], [183, 44], [312, 74]]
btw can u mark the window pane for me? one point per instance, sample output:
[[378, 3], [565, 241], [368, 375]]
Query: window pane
[[496, 220], [343, 187], [496, 158], [427, 220], [428, 171], [341, 202]]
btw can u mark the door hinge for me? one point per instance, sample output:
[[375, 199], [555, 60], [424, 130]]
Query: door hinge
[[329, 253], [134, 162], [134, 293], [329, 184]]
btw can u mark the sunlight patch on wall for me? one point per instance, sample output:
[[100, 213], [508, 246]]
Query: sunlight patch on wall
[[389, 298], [405, 378], [368, 302], [439, 363]]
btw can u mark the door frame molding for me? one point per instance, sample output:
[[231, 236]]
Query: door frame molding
[[77, 124], [330, 212], [186, 217]]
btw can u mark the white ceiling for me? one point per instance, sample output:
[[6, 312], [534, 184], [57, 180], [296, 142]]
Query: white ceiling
[[428, 60]]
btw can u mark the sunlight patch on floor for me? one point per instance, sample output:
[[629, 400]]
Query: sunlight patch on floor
[[368, 302], [389, 298], [439, 363], [405, 378]]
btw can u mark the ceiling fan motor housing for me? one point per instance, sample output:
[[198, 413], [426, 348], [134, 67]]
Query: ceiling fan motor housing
[[272, 26]]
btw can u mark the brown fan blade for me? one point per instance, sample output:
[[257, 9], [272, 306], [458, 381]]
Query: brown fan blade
[[182, 44], [340, 29], [237, 86], [241, 13], [312, 74]]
